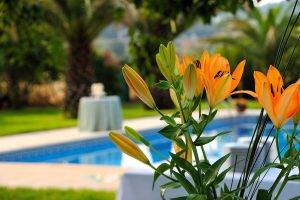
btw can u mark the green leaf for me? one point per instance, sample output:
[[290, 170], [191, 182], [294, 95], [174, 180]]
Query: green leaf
[[169, 120], [204, 140], [187, 166], [179, 198], [212, 172], [172, 55], [210, 117], [204, 166], [169, 185], [221, 176], [185, 183], [294, 177], [169, 132], [196, 103], [135, 136], [179, 142], [160, 170], [259, 171], [295, 198], [196, 197], [263, 195], [163, 85]]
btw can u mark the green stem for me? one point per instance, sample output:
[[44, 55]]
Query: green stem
[[277, 144], [156, 109], [281, 174], [168, 177], [199, 107], [285, 180], [293, 135]]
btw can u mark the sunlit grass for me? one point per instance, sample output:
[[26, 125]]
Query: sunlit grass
[[54, 194], [47, 118], [33, 119]]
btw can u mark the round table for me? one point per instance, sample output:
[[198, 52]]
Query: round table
[[100, 113]]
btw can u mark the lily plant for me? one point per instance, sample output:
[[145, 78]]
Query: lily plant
[[188, 165]]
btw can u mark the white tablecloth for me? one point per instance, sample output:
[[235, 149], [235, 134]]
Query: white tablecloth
[[137, 185], [100, 113]]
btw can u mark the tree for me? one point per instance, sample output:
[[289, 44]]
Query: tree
[[29, 51], [158, 22], [79, 23], [256, 35]]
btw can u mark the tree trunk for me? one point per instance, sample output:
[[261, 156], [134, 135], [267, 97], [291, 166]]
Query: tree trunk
[[79, 75], [13, 89]]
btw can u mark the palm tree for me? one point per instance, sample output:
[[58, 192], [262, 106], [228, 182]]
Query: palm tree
[[256, 36], [79, 23]]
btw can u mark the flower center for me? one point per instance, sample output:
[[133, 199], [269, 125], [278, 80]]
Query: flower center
[[197, 63], [220, 73]]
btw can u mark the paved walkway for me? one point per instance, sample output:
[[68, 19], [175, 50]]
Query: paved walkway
[[67, 175], [42, 175]]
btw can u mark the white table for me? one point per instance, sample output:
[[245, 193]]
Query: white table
[[137, 184], [100, 113]]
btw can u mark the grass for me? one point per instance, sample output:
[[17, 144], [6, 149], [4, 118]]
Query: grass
[[53, 194], [131, 111], [47, 118], [33, 119]]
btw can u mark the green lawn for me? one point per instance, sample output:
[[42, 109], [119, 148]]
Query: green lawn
[[46, 118], [32, 119], [54, 194]]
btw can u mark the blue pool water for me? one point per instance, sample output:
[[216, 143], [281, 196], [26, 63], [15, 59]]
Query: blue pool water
[[102, 151]]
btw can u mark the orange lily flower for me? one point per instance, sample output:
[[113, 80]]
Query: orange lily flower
[[280, 104], [296, 117], [182, 66], [218, 82]]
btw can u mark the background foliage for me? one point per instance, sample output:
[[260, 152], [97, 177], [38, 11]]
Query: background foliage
[[30, 52]]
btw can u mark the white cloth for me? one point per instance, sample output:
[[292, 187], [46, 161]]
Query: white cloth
[[138, 185], [100, 113]]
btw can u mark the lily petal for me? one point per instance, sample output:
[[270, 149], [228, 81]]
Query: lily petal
[[287, 105], [253, 94], [221, 89], [274, 77], [265, 100], [237, 74]]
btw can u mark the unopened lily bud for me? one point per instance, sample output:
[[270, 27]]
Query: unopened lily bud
[[166, 60], [128, 147], [174, 97], [138, 85], [189, 81]]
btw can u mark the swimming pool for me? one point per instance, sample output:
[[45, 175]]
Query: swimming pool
[[103, 152]]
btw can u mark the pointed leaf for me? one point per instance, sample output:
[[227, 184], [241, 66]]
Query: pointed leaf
[[160, 170], [196, 197], [185, 183], [169, 120], [136, 136], [170, 185], [163, 85], [264, 168], [263, 195], [187, 166], [169, 132], [204, 140], [212, 172]]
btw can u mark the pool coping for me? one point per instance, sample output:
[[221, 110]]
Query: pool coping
[[65, 135], [66, 175], [62, 176]]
